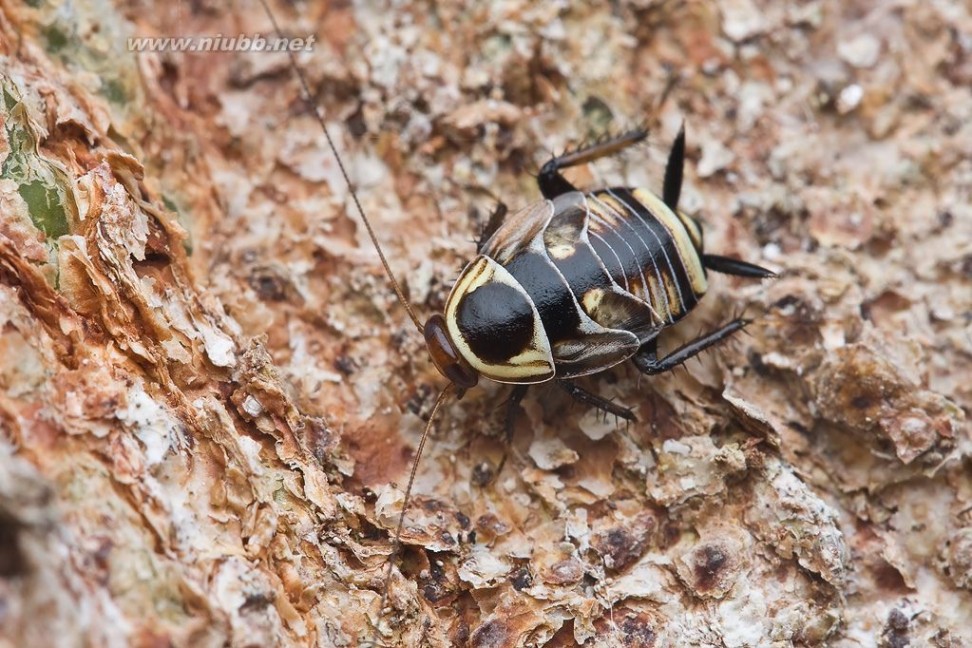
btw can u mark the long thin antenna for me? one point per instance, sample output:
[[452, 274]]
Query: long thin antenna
[[396, 547], [309, 98]]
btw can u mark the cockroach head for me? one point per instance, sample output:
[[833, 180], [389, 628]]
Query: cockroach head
[[447, 358]]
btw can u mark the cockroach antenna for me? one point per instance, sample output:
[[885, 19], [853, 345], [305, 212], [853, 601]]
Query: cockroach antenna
[[408, 491], [432, 329], [309, 98], [568, 286]]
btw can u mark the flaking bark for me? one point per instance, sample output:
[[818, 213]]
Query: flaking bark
[[209, 392]]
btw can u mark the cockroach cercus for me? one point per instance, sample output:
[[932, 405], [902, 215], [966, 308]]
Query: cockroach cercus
[[566, 287]]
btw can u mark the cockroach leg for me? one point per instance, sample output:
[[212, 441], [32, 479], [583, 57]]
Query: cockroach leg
[[603, 404], [519, 391], [647, 362]]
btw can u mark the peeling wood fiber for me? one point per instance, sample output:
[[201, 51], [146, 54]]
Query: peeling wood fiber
[[209, 398]]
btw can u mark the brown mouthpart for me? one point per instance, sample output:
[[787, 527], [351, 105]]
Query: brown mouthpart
[[447, 358]]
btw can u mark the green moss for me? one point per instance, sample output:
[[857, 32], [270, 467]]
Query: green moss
[[46, 208], [114, 91], [9, 101], [70, 36], [56, 39], [37, 179]]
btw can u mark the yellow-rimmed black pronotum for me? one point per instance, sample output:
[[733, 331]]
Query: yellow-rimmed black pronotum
[[566, 287]]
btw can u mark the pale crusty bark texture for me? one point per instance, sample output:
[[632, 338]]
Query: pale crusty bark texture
[[209, 392]]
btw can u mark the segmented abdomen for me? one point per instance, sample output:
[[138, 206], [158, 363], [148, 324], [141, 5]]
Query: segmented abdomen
[[606, 272], [648, 250]]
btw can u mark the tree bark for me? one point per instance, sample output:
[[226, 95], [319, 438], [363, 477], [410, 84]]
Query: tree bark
[[211, 399]]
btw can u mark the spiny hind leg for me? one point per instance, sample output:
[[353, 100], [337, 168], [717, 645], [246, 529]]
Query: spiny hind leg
[[603, 404], [553, 184], [648, 362]]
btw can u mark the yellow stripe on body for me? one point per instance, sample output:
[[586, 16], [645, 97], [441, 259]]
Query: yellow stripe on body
[[690, 258], [616, 213]]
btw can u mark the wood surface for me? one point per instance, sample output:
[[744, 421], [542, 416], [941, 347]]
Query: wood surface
[[210, 399]]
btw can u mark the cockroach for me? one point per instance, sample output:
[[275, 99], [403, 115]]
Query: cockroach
[[566, 287]]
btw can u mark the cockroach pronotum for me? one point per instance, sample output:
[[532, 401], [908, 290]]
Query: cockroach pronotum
[[569, 286]]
